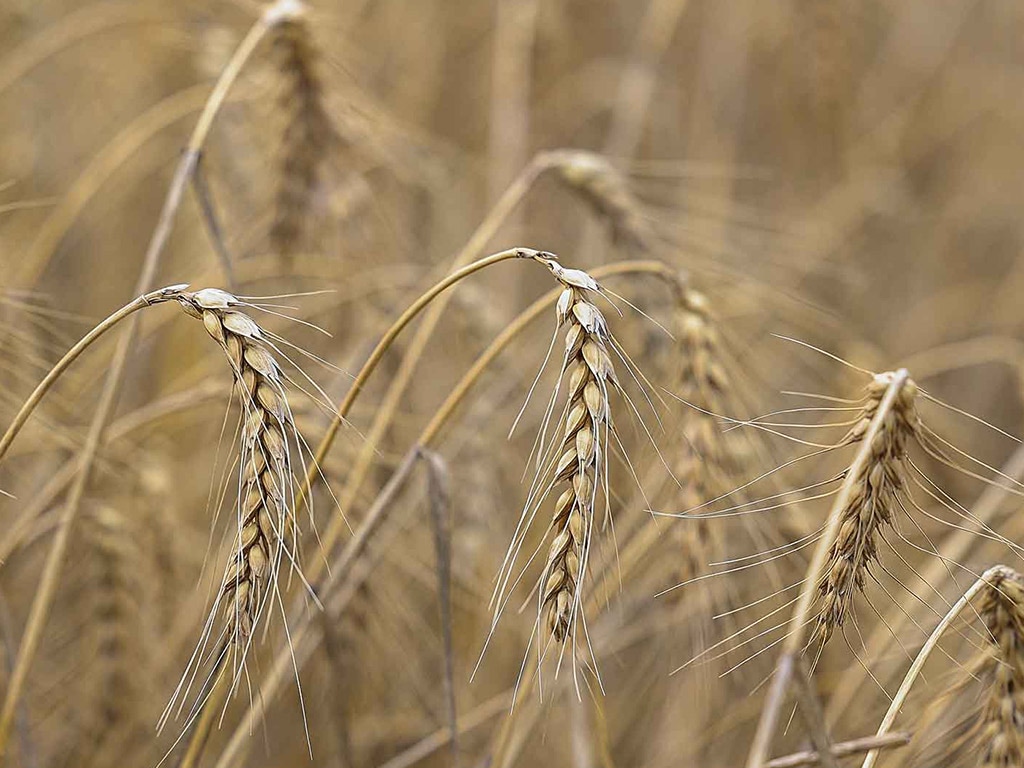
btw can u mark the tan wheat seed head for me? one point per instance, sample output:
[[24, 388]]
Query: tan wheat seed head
[[308, 131], [879, 487], [708, 460], [265, 507], [581, 463]]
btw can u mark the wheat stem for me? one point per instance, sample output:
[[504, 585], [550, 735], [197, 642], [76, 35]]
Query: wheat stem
[[516, 327], [26, 410], [842, 749], [508, 202], [337, 526], [922, 656]]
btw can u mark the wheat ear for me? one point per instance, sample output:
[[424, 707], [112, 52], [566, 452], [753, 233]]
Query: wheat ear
[[597, 182], [708, 458], [817, 571], [581, 464], [308, 131], [265, 518], [879, 483]]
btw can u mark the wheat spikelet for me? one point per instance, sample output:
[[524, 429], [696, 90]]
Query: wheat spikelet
[[581, 463], [265, 519], [307, 135], [878, 489]]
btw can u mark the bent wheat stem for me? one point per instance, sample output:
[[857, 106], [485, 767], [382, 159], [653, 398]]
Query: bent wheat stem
[[516, 327], [508, 202], [337, 526], [986, 579], [146, 300]]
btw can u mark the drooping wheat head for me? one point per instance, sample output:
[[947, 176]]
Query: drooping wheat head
[[878, 490], [307, 135], [265, 505], [582, 453], [607, 192], [708, 459], [118, 597]]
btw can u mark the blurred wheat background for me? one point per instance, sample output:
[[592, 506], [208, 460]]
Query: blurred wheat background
[[556, 517]]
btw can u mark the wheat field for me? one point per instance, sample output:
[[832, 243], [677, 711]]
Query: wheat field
[[577, 383]]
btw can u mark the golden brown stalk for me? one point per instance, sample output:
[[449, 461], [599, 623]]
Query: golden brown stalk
[[878, 487], [308, 131], [265, 514], [581, 465]]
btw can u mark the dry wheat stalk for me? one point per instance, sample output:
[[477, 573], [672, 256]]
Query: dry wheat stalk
[[308, 131], [877, 491], [581, 463], [265, 512]]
